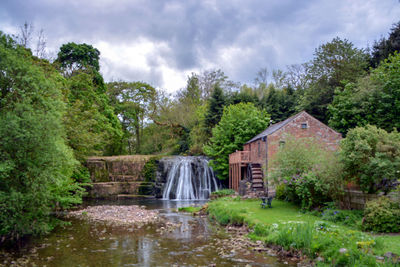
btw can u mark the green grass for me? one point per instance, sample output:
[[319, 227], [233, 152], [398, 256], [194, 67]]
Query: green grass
[[285, 225], [190, 209]]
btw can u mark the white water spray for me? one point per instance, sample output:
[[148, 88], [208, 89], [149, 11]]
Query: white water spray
[[189, 178]]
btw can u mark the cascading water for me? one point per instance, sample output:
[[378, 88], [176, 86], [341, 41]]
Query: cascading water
[[189, 178]]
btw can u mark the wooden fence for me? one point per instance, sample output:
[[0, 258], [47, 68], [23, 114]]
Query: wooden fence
[[355, 199]]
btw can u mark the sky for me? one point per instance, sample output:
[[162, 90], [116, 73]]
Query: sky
[[162, 42]]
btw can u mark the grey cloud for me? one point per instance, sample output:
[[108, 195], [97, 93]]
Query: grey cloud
[[277, 33]]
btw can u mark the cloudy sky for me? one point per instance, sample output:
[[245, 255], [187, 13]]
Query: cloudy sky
[[162, 42]]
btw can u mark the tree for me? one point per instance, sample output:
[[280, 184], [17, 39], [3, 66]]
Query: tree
[[280, 103], [134, 103], [385, 47], [215, 109], [371, 158], [35, 163], [334, 64], [239, 123], [210, 79], [74, 57], [371, 100]]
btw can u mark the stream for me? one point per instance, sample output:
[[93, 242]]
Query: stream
[[194, 243]]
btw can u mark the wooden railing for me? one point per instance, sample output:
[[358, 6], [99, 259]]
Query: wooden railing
[[239, 157]]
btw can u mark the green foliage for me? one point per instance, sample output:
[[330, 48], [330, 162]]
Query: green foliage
[[74, 56], [239, 123], [308, 190], [149, 169], [382, 49], [223, 193], [382, 215], [190, 209], [36, 165], [335, 62], [215, 108], [351, 218], [280, 192], [133, 103], [309, 174], [286, 227], [279, 103], [91, 125], [225, 216], [371, 100], [371, 158]]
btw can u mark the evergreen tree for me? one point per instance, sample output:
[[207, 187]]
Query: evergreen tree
[[215, 109]]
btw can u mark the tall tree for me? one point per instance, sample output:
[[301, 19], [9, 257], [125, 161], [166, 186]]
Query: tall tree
[[372, 100], [334, 64], [134, 103], [238, 124], [74, 57], [35, 163], [385, 47], [215, 109]]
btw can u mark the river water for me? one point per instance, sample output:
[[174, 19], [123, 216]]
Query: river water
[[194, 243]]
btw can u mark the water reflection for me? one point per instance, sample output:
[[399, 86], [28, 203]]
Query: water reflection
[[192, 243]]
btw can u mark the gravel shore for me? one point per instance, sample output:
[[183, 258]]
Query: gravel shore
[[119, 215]]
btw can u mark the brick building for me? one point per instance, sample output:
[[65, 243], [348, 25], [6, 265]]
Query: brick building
[[258, 152]]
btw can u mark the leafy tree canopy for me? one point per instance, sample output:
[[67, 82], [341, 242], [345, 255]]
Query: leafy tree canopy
[[238, 124], [36, 165], [74, 56], [371, 100], [371, 158]]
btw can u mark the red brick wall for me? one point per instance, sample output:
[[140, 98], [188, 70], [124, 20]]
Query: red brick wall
[[315, 129]]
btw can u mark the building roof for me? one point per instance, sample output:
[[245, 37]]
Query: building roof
[[274, 127]]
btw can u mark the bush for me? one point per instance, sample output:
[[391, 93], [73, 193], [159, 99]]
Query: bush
[[350, 218], [307, 190], [371, 158], [223, 193], [382, 215], [306, 174]]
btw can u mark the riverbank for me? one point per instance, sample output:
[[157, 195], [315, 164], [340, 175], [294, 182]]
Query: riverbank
[[132, 216], [322, 241], [179, 240]]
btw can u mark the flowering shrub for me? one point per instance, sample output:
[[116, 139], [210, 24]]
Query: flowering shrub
[[309, 174], [308, 190], [347, 217]]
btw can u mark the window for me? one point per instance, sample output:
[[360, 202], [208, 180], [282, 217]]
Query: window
[[304, 126], [281, 143], [259, 150]]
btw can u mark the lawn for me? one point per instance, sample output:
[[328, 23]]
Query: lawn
[[284, 224]]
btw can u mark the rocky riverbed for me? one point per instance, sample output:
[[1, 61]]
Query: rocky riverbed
[[133, 215]]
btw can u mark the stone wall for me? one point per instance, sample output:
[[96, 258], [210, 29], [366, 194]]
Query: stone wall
[[119, 176]]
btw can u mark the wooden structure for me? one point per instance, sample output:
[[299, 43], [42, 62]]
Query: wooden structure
[[259, 150]]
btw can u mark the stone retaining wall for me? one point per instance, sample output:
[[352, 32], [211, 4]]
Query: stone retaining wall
[[119, 176]]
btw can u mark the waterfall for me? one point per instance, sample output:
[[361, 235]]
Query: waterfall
[[189, 178]]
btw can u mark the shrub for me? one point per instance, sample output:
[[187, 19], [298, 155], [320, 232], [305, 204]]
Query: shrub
[[347, 217], [307, 174], [382, 215], [280, 192], [371, 158], [223, 193], [150, 168]]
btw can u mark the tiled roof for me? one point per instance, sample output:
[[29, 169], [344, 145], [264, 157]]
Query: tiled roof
[[274, 127]]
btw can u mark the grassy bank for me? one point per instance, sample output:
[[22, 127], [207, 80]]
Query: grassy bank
[[286, 226]]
